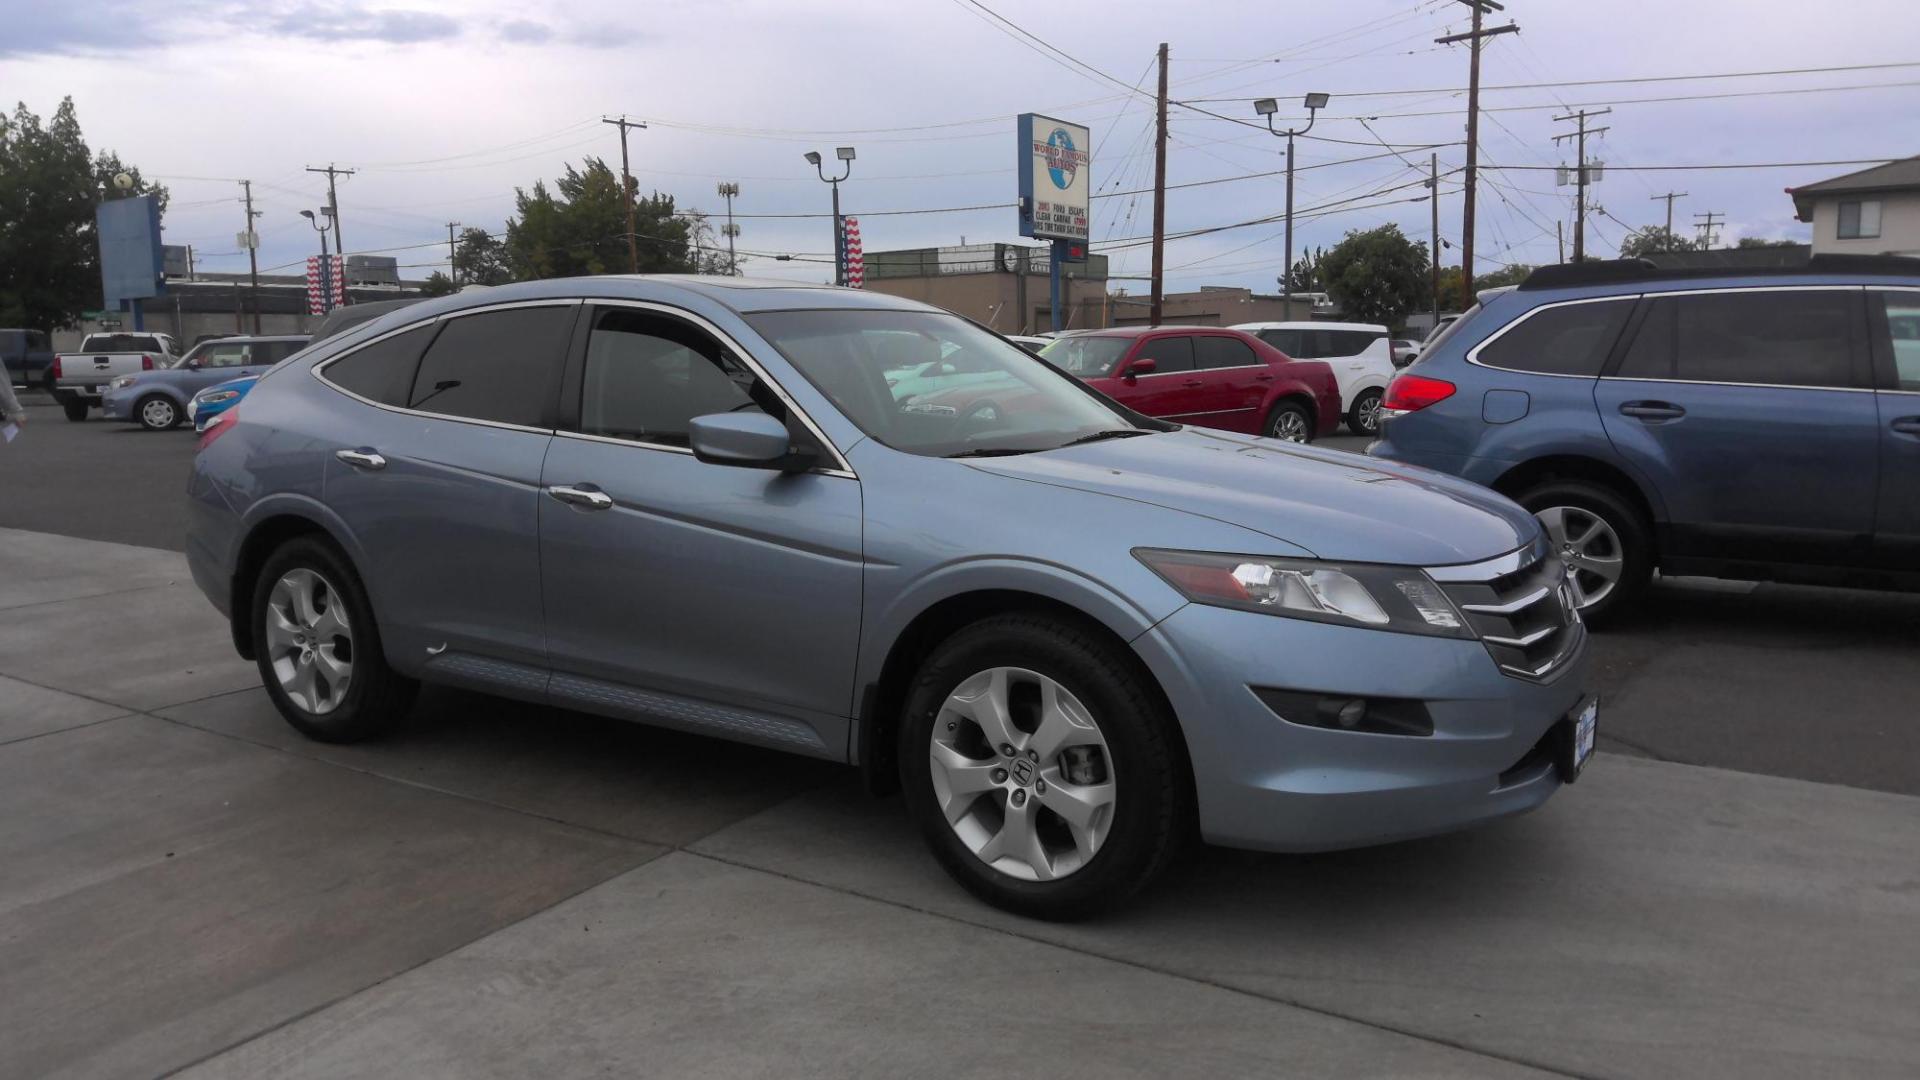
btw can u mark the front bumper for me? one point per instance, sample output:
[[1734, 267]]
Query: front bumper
[[1268, 784], [117, 404]]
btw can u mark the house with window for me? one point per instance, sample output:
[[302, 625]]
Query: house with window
[[1874, 211]]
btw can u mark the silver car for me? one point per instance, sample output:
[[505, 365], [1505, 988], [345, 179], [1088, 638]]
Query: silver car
[[1072, 634]]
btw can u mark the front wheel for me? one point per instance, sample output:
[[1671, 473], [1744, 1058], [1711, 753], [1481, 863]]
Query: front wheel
[[1605, 543], [1289, 421], [318, 648], [1042, 768], [157, 413], [1364, 417]]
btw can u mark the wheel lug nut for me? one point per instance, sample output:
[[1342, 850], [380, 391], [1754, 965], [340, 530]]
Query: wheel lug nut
[[1032, 756], [1006, 749], [1020, 798], [1040, 787], [999, 776], [951, 725]]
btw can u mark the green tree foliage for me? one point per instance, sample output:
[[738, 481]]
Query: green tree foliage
[[1451, 296], [1653, 240], [1763, 242], [438, 284], [579, 227], [49, 185], [1304, 277], [1377, 276], [481, 259]]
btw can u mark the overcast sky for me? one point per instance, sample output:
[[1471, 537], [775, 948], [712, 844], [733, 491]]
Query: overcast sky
[[445, 107]]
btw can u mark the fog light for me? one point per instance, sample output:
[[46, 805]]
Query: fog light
[[1083, 765], [1351, 713]]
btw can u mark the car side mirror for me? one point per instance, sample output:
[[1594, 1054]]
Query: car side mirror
[[1146, 365], [192, 365], [1401, 360], [746, 440]]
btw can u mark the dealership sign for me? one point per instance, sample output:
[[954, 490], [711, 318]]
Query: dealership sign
[[1054, 179]]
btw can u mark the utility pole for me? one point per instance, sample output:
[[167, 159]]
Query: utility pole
[[1473, 39], [1708, 225], [1580, 175], [253, 252], [728, 190], [626, 184], [1433, 208], [1159, 196], [1670, 196], [453, 268], [1560, 238], [333, 202]]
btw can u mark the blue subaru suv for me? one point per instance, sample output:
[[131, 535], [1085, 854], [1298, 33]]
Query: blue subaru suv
[[1759, 425]]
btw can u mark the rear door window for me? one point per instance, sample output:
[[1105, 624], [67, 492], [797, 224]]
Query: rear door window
[[499, 366], [1168, 353], [383, 371], [1569, 339], [1349, 342], [1219, 351], [1767, 337]]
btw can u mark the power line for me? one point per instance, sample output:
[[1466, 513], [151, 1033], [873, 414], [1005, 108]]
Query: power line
[[1620, 81], [1727, 165]]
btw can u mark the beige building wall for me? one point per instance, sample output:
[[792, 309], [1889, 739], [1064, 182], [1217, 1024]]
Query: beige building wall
[[1899, 225]]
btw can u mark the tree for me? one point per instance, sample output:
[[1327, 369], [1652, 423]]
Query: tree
[[1453, 299], [1304, 276], [1762, 242], [481, 259], [438, 284], [579, 226], [1377, 276], [1653, 240], [50, 184]]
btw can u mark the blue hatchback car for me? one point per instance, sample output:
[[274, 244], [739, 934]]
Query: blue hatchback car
[[1757, 425]]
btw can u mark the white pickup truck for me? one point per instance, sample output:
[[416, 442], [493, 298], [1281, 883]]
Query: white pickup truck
[[80, 376]]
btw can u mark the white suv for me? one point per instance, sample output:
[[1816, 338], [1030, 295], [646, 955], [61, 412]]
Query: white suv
[[1360, 355]]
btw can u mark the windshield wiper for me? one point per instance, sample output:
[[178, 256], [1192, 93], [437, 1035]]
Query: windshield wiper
[[989, 451], [1121, 433]]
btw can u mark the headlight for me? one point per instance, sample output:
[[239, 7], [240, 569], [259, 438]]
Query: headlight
[[218, 396], [1398, 598], [123, 382]]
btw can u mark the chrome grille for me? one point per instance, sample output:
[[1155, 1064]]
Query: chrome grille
[[1519, 607]]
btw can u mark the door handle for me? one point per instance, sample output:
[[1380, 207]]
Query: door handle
[[584, 496], [1190, 382], [363, 458], [1265, 377], [1652, 410], [1907, 425]]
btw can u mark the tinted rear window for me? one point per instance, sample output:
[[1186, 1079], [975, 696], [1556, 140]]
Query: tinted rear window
[[1771, 337], [1223, 352], [1571, 339], [1317, 343], [382, 371], [497, 365], [1168, 353]]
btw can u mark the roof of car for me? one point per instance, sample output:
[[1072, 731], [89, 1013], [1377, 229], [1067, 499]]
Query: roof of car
[[1314, 324], [1634, 273], [1138, 331]]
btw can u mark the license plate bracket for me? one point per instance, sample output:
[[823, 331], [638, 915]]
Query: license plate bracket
[[1575, 737]]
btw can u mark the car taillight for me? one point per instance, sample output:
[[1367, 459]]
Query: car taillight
[[1411, 393], [218, 426], [56, 369], [146, 363]]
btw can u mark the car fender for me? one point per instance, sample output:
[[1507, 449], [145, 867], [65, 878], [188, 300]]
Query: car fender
[[300, 505]]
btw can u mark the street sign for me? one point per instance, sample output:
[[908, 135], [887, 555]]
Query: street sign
[[1055, 178]]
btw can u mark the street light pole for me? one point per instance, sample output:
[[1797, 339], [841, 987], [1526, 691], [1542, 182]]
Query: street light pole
[[326, 263], [1267, 107], [845, 154]]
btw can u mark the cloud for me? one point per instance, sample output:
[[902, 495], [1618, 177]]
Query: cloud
[[68, 29], [396, 26], [607, 35], [526, 32]]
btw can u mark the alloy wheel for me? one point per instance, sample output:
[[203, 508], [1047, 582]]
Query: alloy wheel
[[1289, 425], [1021, 773], [1369, 414], [1589, 547], [309, 641]]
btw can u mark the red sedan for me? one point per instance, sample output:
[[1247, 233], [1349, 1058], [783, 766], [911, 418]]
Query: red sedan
[[1207, 377]]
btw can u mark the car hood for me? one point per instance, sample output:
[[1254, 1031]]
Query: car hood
[[1336, 505]]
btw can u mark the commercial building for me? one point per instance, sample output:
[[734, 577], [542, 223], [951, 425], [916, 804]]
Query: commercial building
[[1874, 211], [213, 304]]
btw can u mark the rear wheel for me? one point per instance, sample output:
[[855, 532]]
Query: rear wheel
[[1364, 417], [1042, 768], [1289, 421], [157, 413], [318, 648], [1605, 543], [75, 408]]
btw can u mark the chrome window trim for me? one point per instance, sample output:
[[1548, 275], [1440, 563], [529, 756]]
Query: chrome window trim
[[841, 467], [1220, 412], [318, 370], [1473, 354]]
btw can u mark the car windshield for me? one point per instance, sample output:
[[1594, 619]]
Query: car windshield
[[194, 353], [1004, 400], [1087, 357]]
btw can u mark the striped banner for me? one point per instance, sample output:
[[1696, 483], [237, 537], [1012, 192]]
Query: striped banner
[[318, 302], [856, 262]]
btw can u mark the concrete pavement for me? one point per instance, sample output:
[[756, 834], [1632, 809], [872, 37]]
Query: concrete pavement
[[508, 891]]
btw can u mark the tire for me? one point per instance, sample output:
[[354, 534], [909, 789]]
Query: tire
[[1124, 842], [1289, 421], [375, 697], [1571, 503], [157, 412], [75, 408], [1364, 417]]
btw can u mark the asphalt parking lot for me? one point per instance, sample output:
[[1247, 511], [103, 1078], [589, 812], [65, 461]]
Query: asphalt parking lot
[[507, 890]]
